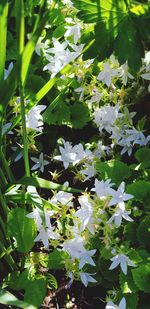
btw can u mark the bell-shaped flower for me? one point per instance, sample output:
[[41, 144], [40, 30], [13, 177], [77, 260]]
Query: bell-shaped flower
[[123, 261], [119, 196]]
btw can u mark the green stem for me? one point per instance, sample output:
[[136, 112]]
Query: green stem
[[8, 258], [6, 166], [4, 205], [24, 133], [3, 178]]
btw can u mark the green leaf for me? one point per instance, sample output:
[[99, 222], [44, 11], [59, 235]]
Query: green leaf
[[142, 155], [8, 87], [127, 42], [35, 292], [52, 282], [43, 183], [58, 115], [57, 259], [110, 275], [130, 231], [143, 234], [110, 11], [132, 300], [22, 229], [141, 191], [141, 277], [79, 115], [116, 170], [3, 35], [116, 28], [127, 284], [16, 280], [7, 298]]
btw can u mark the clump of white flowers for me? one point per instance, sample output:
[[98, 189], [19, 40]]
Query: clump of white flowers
[[34, 119]]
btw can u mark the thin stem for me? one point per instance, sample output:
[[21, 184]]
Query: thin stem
[[5, 253], [24, 133], [4, 205], [3, 178], [6, 166]]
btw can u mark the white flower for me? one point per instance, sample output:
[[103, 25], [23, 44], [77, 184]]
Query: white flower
[[102, 188], [101, 150], [41, 217], [106, 74], [89, 171], [123, 260], [63, 198], [81, 91], [36, 216], [146, 75], [40, 163], [67, 2], [120, 213], [61, 55], [68, 154], [96, 97], [72, 155], [45, 234], [41, 46], [74, 247], [5, 127], [86, 258], [124, 73], [34, 119], [86, 278], [73, 31], [111, 305], [85, 213], [7, 71], [119, 196], [106, 116]]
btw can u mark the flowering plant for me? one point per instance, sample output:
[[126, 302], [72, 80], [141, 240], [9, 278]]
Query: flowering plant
[[74, 153]]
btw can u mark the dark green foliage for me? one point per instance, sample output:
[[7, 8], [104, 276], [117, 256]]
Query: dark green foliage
[[117, 28], [143, 232], [22, 229], [116, 170], [141, 277]]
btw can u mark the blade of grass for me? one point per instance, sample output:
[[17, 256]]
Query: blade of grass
[[8, 87], [3, 36], [43, 183]]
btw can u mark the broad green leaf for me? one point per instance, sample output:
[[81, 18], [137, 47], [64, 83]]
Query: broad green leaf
[[57, 115], [79, 115], [45, 184], [143, 156], [140, 189], [57, 259], [16, 280], [110, 11], [3, 36], [141, 277], [143, 232], [117, 28], [127, 284], [35, 292], [116, 170], [22, 229], [8, 299], [130, 231], [128, 45], [132, 300], [110, 275]]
